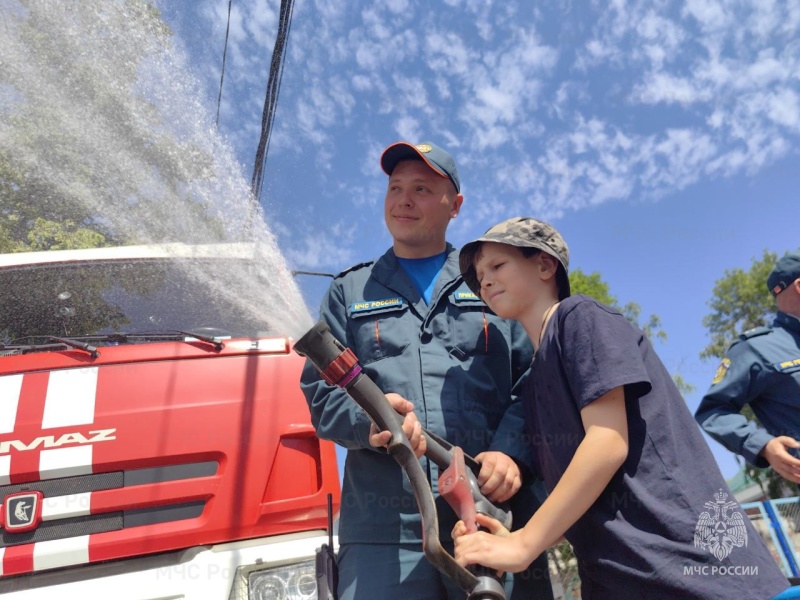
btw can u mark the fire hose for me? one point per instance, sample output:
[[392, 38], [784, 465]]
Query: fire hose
[[458, 482]]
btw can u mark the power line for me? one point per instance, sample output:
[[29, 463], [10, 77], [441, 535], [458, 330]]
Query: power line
[[224, 55], [271, 96]]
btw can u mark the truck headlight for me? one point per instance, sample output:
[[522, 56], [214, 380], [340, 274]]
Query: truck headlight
[[290, 582]]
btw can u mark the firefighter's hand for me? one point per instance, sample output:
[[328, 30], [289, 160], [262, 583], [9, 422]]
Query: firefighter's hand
[[499, 477], [411, 426], [785, 465]]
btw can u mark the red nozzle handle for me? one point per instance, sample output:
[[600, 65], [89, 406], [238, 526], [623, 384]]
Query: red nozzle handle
[[454, 487]]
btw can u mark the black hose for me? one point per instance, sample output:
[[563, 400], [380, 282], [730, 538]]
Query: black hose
[[340, 367]]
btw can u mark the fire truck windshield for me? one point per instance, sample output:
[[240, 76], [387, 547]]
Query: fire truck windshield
[[210, 296]]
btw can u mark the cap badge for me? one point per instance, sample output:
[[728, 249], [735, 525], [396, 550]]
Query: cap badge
[[425, 148]]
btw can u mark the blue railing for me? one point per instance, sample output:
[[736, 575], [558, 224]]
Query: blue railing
[[778, 522]]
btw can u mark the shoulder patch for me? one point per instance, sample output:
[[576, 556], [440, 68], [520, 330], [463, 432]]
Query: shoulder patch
[[355, 268], [755, 331], [788, 365], [721, 370]]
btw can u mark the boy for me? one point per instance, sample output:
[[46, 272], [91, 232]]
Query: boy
[[633, 485]]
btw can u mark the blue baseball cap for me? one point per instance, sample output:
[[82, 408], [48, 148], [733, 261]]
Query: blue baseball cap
[[786, 270], [435, 157]]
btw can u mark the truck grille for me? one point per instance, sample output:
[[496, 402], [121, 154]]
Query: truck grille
[[70, 526]]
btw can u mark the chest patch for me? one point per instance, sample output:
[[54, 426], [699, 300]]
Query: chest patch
[[466, 298], [369, 307]]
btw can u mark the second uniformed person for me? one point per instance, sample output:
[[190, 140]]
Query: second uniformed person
[[762, 370]]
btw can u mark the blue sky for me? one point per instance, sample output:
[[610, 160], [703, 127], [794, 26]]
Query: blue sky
[[660, 137]]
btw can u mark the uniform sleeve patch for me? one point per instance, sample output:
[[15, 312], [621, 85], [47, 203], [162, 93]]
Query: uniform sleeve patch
[[788, 365], [721, 370]]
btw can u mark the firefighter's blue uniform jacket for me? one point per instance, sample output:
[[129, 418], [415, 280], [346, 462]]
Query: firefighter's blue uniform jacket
[[454, 359], [761, 369]]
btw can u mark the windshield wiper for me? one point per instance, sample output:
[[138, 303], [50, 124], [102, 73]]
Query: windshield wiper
[[169, 334], [54, 343], [14, 348], [92, 350], [218, 345]]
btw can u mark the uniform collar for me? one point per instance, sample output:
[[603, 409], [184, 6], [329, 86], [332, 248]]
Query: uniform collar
[[788, 321]]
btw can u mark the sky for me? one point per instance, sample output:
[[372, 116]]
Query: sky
[[660, 137]]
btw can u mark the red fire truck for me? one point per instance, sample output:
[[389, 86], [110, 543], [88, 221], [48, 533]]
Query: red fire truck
[[154, 442]]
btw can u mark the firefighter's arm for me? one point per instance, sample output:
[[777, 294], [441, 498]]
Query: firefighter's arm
[[334, 414], [735, 384]]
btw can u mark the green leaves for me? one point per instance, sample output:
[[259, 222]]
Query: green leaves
[[740, 301]]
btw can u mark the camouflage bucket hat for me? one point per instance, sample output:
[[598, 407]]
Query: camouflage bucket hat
[[522, 232]]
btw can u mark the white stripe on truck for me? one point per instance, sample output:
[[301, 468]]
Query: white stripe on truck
[[10, 386], [70, 398]]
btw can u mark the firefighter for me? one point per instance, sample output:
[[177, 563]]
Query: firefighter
[[443, 359], [762, 369]]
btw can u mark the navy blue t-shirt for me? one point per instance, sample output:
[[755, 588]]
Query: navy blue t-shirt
[[666, 526]]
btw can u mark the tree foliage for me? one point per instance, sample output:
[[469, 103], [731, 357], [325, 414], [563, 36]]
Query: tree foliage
[[591, 285], [740, 301]]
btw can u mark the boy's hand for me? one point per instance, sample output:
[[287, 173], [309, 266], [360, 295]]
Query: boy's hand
[[499, 477], [411, 426], [490, 524], [498, 549]]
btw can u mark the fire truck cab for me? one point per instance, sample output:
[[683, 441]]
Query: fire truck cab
[[154, 442]]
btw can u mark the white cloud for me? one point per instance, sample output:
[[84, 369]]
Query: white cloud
[[711, 15], [631, 99], [261, 23], [447, 54], [784, 108], [663, 87], [411, 93], [408, 129], [321, 250]]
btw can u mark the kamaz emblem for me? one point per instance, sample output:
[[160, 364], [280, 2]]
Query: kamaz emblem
[[23, 511], [52, 441]]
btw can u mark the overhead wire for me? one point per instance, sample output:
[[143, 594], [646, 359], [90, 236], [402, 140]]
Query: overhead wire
[[224, 56], [271, 96]]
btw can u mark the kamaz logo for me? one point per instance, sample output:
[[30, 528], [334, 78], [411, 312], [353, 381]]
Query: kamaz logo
[[51, 441]]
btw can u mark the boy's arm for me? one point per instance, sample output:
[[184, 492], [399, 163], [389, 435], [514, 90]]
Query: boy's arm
[[598, 457]]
